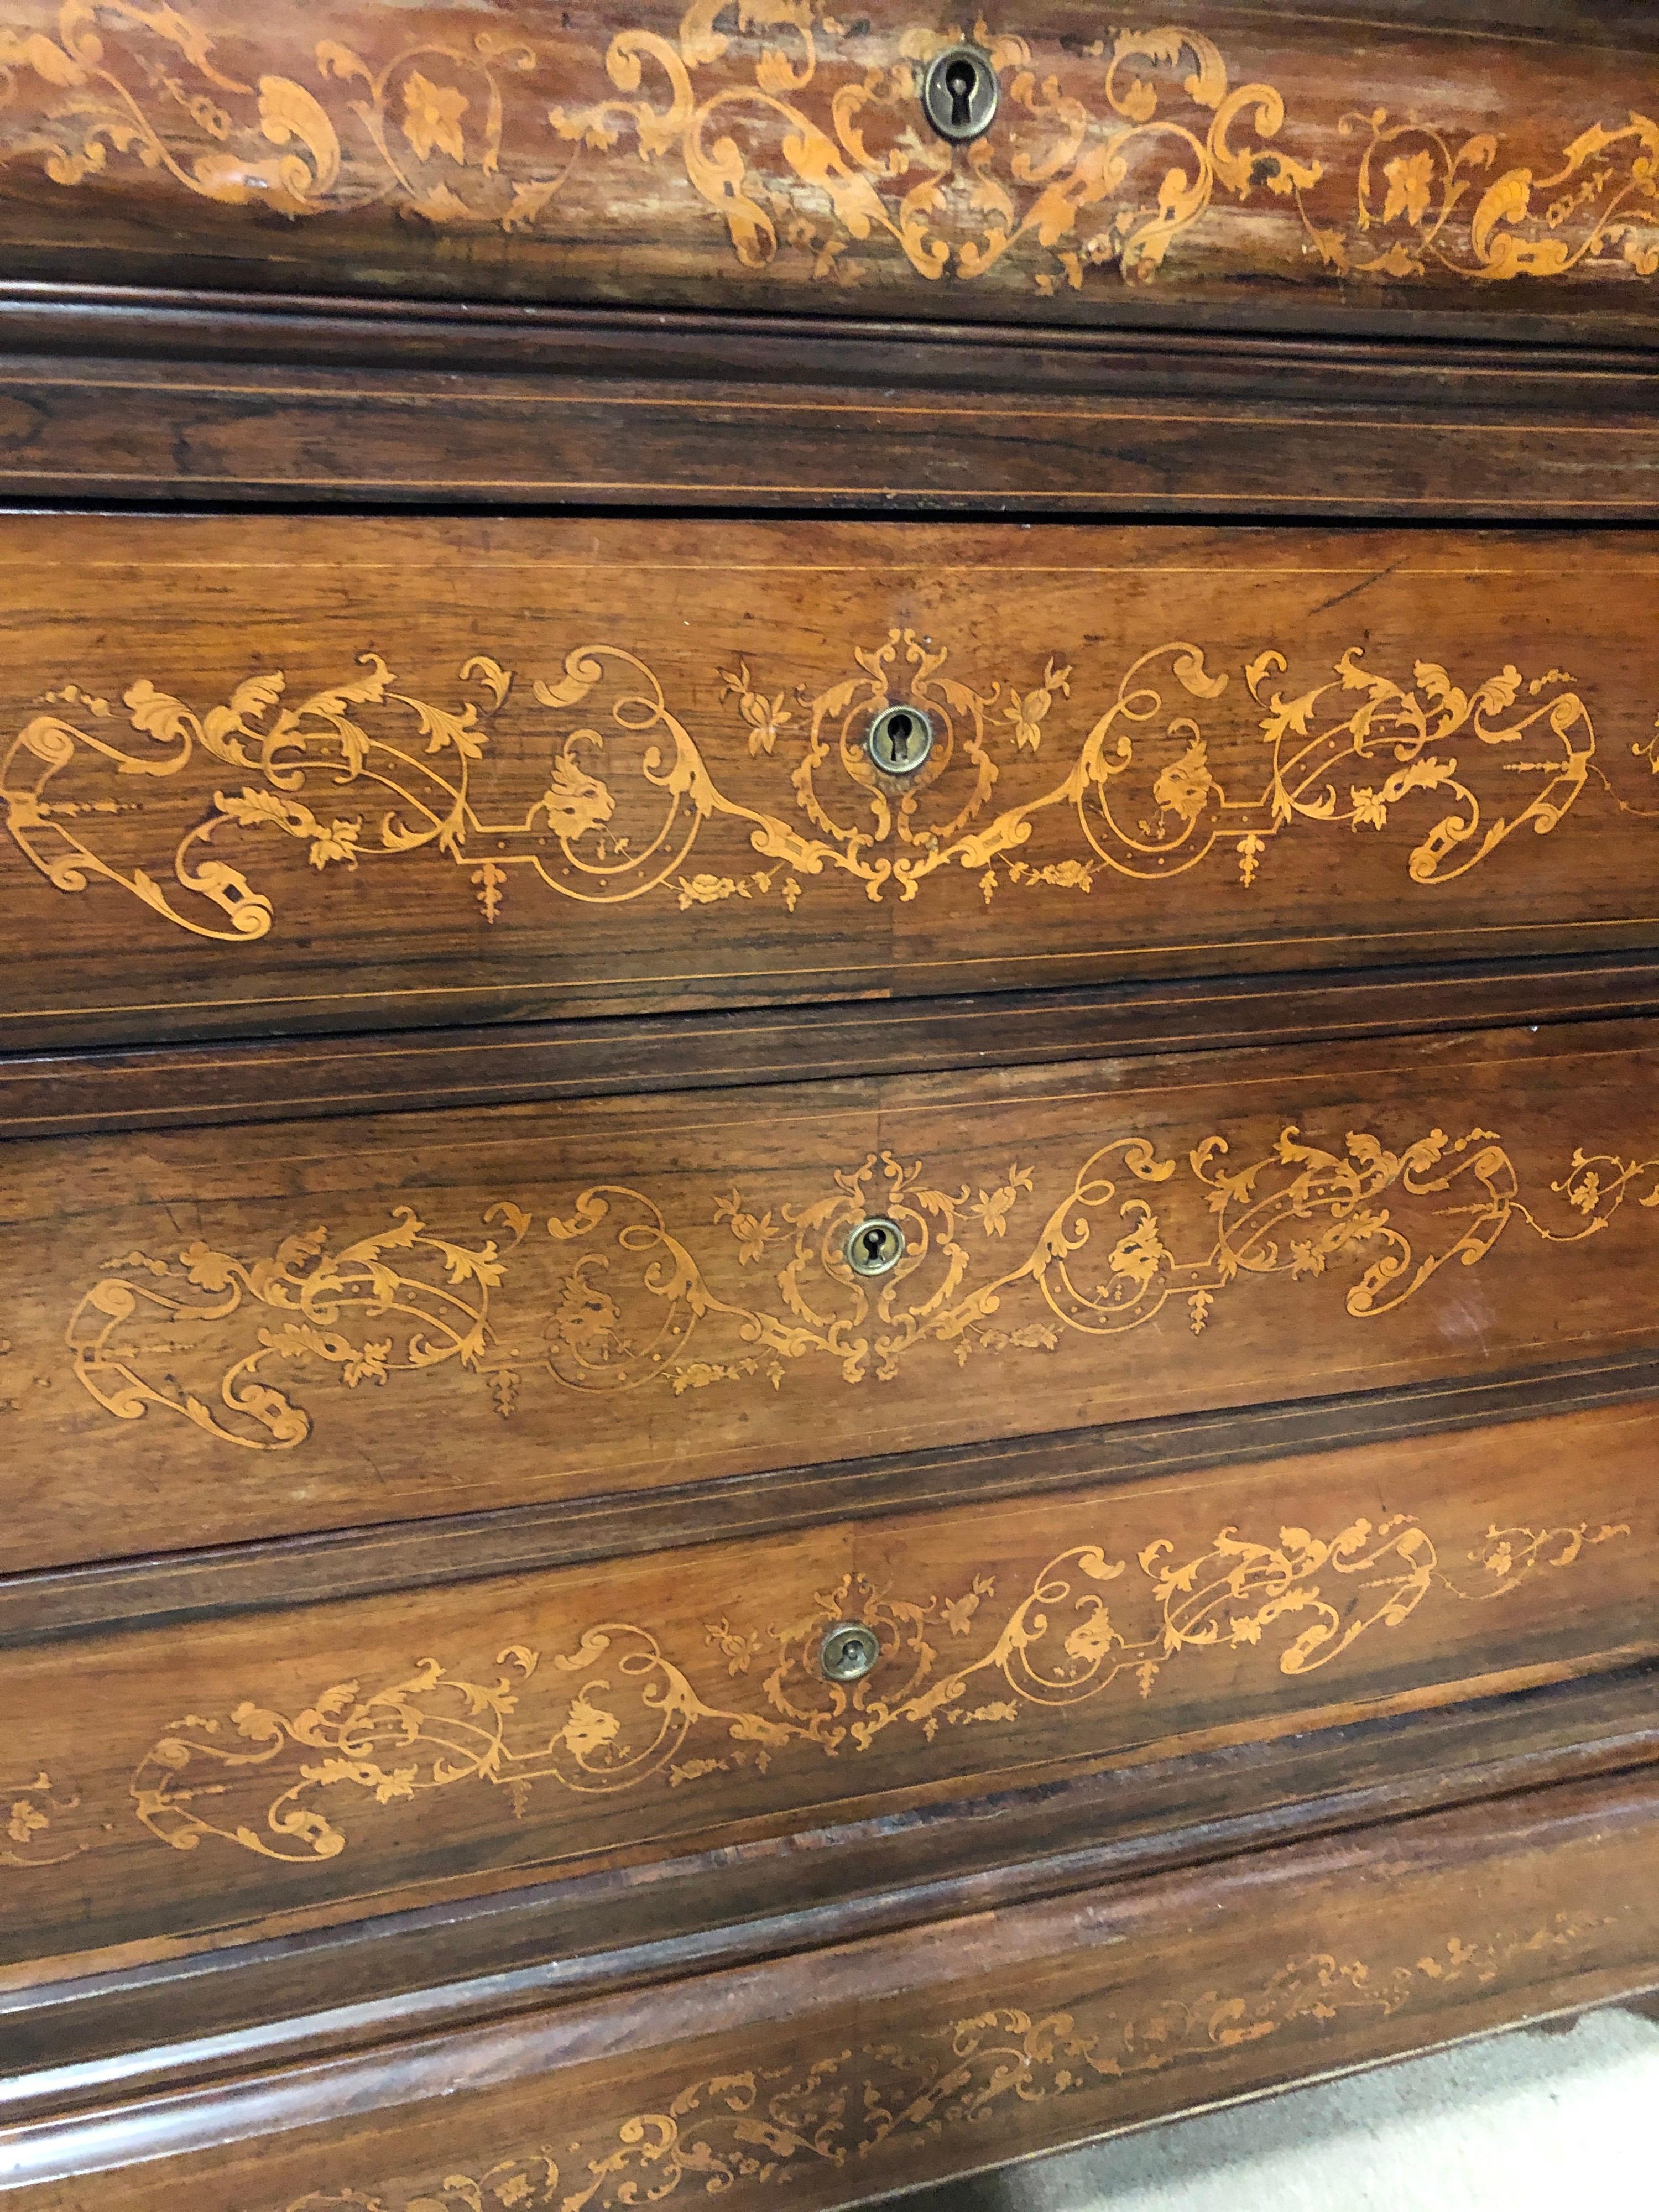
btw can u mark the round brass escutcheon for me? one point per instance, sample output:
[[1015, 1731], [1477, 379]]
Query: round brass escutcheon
[[848, 1651], [959, 93], [900, 740], [875, 1247]]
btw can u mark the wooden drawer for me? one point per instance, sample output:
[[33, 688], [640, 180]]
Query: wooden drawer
[[174, 1784], [228, 1333], [293, 774], [865, 2066], [1273, 166]]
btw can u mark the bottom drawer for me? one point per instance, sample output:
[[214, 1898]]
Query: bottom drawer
[[827, 2079], [258, 1773]]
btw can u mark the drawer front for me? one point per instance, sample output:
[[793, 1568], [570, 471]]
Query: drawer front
[[174, 1782], [253, 1332], [1321, 169], [874, 2066], [262, 1330], [300, 775]]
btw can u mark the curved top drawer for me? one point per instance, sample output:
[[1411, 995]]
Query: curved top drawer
[[285, 775], [779, 155]]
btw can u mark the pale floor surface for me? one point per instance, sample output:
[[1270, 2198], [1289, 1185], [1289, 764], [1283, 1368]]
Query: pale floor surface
[[1534, 2121]]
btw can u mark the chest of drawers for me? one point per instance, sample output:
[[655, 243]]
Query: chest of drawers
[[828, 1191]]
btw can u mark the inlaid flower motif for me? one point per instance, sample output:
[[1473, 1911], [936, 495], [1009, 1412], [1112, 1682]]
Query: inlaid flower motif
[[26, 1821], [1410, 179], [754, 1232], [1026, 709], [432, 117], [995, 1206]]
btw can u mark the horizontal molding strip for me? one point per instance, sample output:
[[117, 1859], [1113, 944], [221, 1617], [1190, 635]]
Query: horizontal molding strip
[[85, 1093], [292, 1571], [431, 2096], [86, 2038], [114, 394]]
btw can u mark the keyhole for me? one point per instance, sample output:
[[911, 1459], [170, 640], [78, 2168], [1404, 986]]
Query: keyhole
[[848, 1651], [875, 1247], [900, 740], [959, 80], [959, 93]]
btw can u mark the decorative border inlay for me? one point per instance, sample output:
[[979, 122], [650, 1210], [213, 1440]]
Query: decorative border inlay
[[806, 140], [616, 1710], [623, 1310], [362, 772], [764, 2127]]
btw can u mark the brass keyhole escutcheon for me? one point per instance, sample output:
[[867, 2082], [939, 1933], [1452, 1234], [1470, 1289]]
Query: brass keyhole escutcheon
[[848, 1651], [900, 740], [959, 93], [875, 1247]]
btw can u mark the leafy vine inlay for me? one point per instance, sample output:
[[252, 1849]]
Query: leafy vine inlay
[[30, 1812], [804, 136], [362, 772], [429, 1296], [616, 1710], [632, 1293], [777, 2126]]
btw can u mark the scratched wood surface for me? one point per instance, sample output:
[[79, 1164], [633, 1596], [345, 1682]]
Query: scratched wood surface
[[219, 1335], [186, 1781], [1282, 164], [296, 774], [877, 2065]]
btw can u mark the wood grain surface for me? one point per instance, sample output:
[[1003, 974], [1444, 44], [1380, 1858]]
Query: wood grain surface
[[214, 1581], [295, 774], [1276, 164], [194, 1778], [222, 1335], [301, 1079], [119, 393], [89, 2029], [877, 2065]]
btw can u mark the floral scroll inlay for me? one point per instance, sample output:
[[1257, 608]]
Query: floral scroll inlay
[[616, 1710], [616, 1295], [1101, 1264], [802, 138], [764, 2127], [31, 1811], [612, 791], [311, 1301]]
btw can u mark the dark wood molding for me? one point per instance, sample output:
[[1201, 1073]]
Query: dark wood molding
[[252, 1578], [112, 395], [1547, 1883], [354, 1858], [91, 1093], [79, 2039], [496, 338]]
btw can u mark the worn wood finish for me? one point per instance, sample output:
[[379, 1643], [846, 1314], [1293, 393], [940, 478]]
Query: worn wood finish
[[92, 2027], [298, 1571], [107, 395], [1282, 165], [472, 1011], [221, 1336], [314, 773], [910, 2058], [80, 1093], [206, 1776]]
